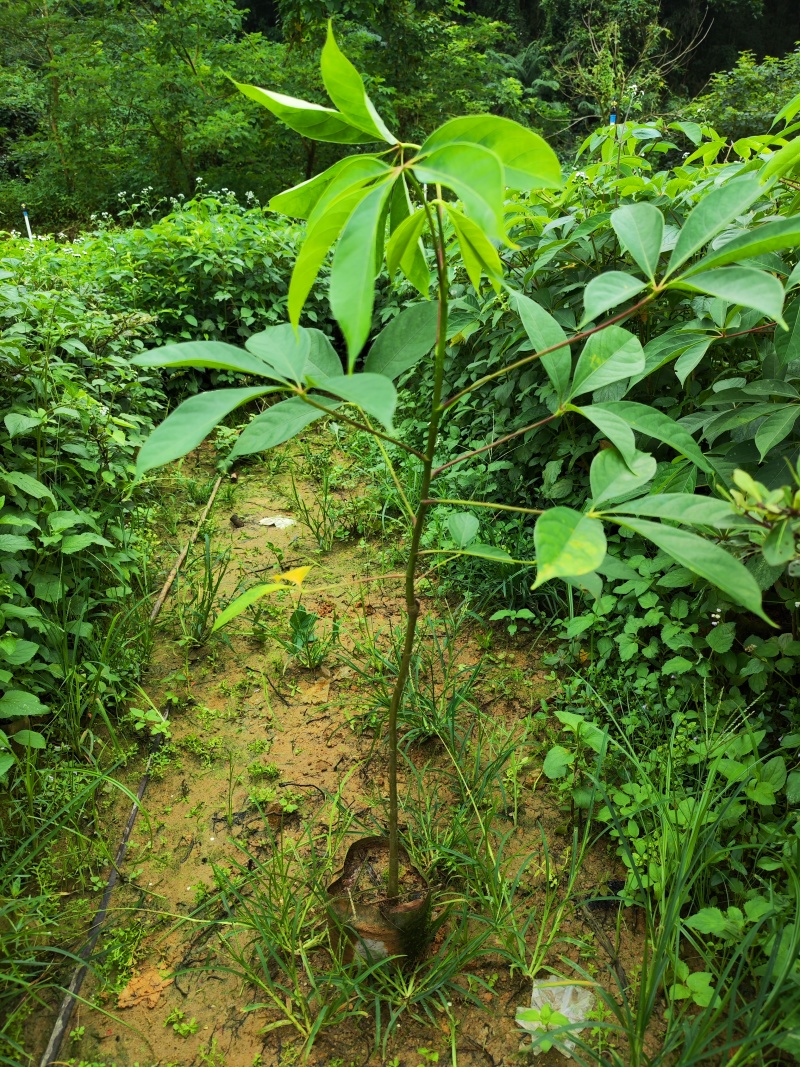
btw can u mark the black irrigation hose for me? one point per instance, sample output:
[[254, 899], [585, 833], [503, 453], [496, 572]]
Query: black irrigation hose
[[64, 1016]]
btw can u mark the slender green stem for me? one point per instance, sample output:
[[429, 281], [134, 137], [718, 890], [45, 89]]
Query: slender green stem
[[392, 473], [360, 425], [483, 504], [546, 351], [412, 604], [495, 443]]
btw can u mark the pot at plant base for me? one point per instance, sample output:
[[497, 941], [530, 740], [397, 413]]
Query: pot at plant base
[[364, 921]]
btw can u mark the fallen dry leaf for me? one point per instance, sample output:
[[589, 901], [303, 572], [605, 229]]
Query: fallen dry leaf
[[317, 692], [145, 988]]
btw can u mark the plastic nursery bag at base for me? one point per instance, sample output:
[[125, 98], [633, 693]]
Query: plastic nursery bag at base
[[555, 1004]]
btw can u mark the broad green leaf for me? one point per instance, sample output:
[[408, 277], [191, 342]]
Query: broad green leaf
[[528, 161], [352, 287], [739, 285], [27, 484], [323, 231], [567, 543], [616, 430], [590, 583], [544, 332], [478, 254], [608, 356], [81, 541], [690, 358], [215, 355], [787, 112], [490, 552], [608, 290], [476, 176], [556, 764], [404, 248], [189, 424], [463, 527], [346, 89], [322, 359], [284, 348], [769, 237], [787, 342], [689, 129], [17, 423], [301, 200], [277, 424], [640, 229], [775, 428], [403, 245], [311, 120], [243, 602], [783, 161], [778, 547], [404, 341], [374, 393], [683, 508], [16, 704], [611, 479], [713, 213], [29, 739], [704, 558], [648, 420], [721, 638], [12, 543]]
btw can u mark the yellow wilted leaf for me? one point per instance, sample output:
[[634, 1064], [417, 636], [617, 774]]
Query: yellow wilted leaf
[[295, 576]]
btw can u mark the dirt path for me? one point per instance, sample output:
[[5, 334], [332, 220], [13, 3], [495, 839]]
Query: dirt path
[[275, 766]]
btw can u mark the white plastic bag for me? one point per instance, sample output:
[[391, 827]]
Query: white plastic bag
[[554, 1004]]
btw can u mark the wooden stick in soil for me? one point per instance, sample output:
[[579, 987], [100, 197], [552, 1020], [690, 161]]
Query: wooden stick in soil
[[162, 596]]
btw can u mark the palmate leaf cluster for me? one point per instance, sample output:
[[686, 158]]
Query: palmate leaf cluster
[[381, 204]]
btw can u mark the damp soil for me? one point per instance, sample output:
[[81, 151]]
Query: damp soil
[[262, 751]]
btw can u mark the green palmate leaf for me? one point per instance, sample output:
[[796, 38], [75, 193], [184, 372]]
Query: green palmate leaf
[[323, 231], [243, 602], [280, 423], [528, 161], [476, 176], [301, 200], [787, 342], [346, 89], [616, 430], [478, 254], [404, 341], [640, 229], [189, 424], [545, 332], [311, 120], [770, 237], [373, 393], [647, 420], [567, 544], [404, 250], [702, 557], [746, 286], [463, 527], [284, 349], [612, 479], [352, 288], [712, 215], [776, 428], [684, 508], [215, 355], [608, 356], [16, 704], [608, 290]]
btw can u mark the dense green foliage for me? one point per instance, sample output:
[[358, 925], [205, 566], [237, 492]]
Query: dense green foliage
[[103, 99]]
